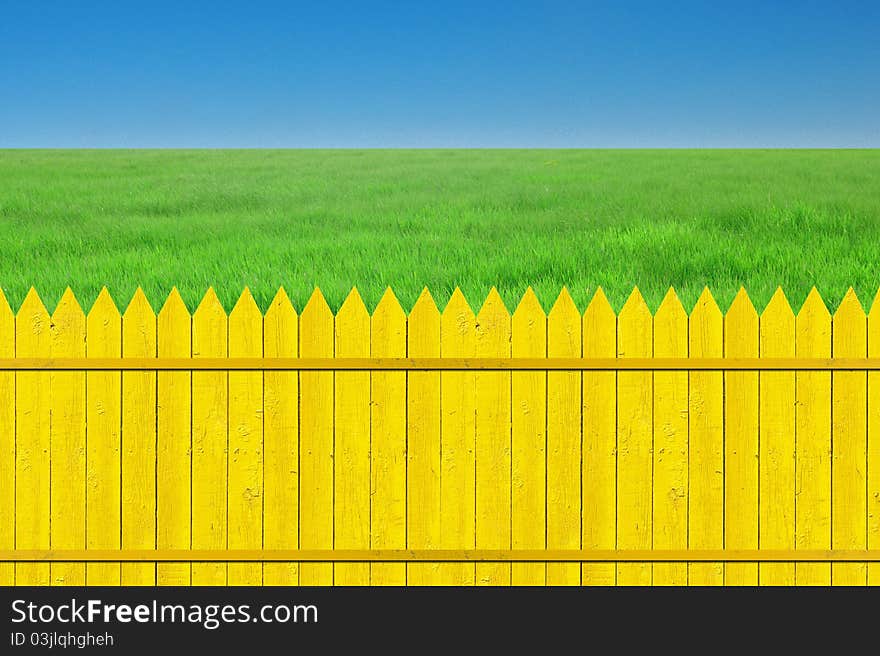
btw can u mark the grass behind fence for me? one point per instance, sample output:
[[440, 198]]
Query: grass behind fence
[[441, 218]]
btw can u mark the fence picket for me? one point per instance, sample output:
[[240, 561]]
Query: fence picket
[[67, 440], [281, 441], [245, 466], [670, 450], [7, 441], [174, 441], [388, 439], [210, 399], [849, 441], [103, 454], [423, 441], [493, 440], [564, 440], [316, 454], [813, 440], [457, 433], [706, 441], [352, 441]]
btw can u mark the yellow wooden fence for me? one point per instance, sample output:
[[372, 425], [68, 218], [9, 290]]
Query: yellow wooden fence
[[439, 447]]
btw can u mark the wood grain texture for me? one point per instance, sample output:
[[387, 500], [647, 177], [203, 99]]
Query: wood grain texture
[[706, 441], [813, 441], [599, 421], [352, 441], [564, 389], [245, 464], [103, 440], [7, 441], [388, 457], [174, 441], [67, 439], [281, 441], [849, 442], [457, 440], [210, 403], [741, 414]]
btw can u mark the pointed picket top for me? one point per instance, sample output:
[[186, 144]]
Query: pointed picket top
[[425, 306], [493, 313], [458, 305], [103, 327], [32, 306], [388, 328], [875, 306], [564, 327], [706, 328], [209, 305], [671, 328], [670, 309], [246, 305], [742, 308], [353, 306], [850, 306], [814, 307], [281, 306], [389, 307], [706, 305], [139, 306], [174, 306], [635, 306], [493, 327], [5, 310], [68, 306], [778, 306], [316, 305], [423, 335], [564, 306], [104, 306], [599, 308], [281, 328], [529, 304]]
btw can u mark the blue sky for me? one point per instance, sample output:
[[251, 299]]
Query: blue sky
[[440, 74]]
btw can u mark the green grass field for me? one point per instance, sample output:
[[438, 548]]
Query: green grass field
[[407, 219]]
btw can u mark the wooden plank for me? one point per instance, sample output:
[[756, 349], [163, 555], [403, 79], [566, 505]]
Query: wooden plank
[[103, 455], [813, 441], [873, 420], [139, 440], [670, 452], [316, 440], [777, 426], [388, 439], [706, 441], [423, 441], [352, 447], [493, 441], [529, 440], [7, 441], [281, 441], [599, 467], [245, 465], [564, 440], [67, 439], [174, 441], [741, 340], [849, 442], [32, 418], [634, 440], [457, 432], [210, 397]]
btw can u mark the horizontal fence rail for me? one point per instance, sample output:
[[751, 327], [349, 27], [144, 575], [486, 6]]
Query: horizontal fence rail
[[440, 364], [439, 446]]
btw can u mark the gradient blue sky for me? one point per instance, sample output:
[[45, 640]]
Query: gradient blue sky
[[457, 74]]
